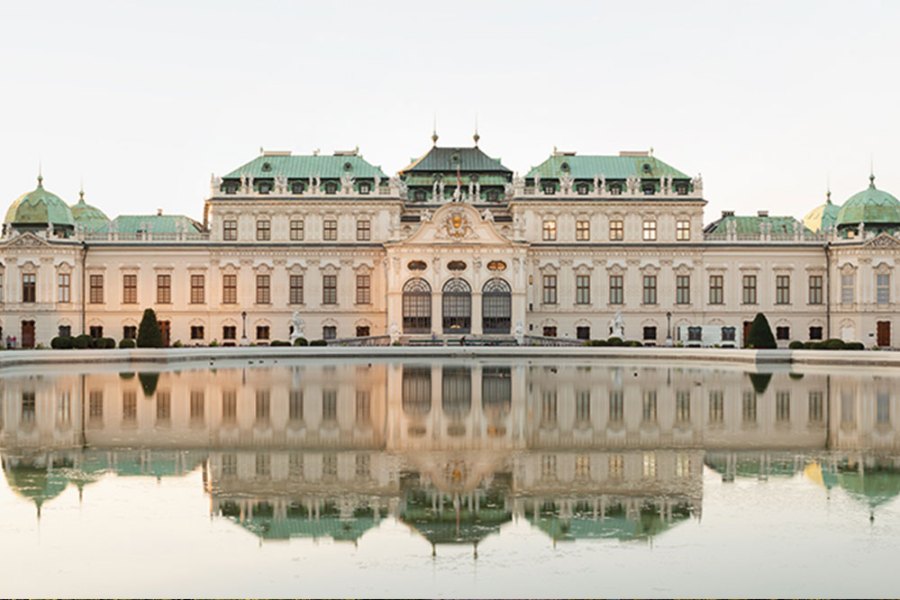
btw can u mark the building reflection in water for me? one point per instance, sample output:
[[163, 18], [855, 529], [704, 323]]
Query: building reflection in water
[[454, 449]]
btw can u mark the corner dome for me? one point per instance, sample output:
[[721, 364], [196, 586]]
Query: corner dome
[[90, 218], [870, 207], [822, 217], [39, 208]]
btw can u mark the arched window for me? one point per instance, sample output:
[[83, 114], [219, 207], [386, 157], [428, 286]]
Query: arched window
[[457, 306], [416, 306], [496, 306]]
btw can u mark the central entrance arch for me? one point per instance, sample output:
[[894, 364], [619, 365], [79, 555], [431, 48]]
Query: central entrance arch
[[457, 306], [496, 306]]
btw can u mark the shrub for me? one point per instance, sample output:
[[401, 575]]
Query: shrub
[[63, 342], [599, 343], [106, 343], [82, 342], [633, 344], [318, 343], [127, 344], [615, 341], [279, 343], [796, 345], [149, 333], [214, 344], [760, 335], [178, 344], [854, 346], [833, 344], [126, 375], [301, 341]]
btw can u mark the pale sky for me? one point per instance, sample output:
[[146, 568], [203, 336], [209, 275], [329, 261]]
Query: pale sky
[[143, 101]]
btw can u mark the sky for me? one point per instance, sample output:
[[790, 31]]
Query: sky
[[142, 102]]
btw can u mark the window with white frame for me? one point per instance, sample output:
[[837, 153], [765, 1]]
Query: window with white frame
[[683, 230], [549, 230], [848, 288], [616, 230], [649, 230], [883, 288], [782, 289], [582, 230]]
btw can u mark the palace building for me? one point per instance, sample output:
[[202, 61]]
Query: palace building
[[454, 245]]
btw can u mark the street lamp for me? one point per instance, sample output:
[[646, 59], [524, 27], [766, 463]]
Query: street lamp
[[669, 328], [244, 340]]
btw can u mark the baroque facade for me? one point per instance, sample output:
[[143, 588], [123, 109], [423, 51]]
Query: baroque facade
[[454, 245]]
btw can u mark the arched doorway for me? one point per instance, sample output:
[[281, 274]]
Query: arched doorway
[[496, 306], [457, 306], [416, 306]]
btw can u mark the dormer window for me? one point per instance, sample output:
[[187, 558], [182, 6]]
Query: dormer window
[[298, 187], [615, 189], [348, 166], [647, 168], [331, 188], [549, 189], [473, 178], [582, 189], [230, 187], [266, 167], [648, 189], [419, 196], [492, 196], [564, 167], [264, 187], [681, 189], [365, 188]]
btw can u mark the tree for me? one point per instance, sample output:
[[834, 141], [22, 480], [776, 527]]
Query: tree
[[760, 335], [149, 333]]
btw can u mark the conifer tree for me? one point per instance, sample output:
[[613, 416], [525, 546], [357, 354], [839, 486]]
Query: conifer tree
[[760, 335], [149, 333]]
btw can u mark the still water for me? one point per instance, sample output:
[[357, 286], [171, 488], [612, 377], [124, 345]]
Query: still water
[[448, 478]]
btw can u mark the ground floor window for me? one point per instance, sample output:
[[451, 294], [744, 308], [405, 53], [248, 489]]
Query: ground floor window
[[65, 330], [550, 331], [362, 331], [96, 331], [650, 333], [815, 333], [728, 334], [229, 332], [583, 332], [695, 334], [782, 333], [129, 332], [262, 332], [197, 332], [329, 332]]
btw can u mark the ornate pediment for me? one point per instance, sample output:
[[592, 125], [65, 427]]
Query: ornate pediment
[[456, 223], [883, 240], [26, 240]]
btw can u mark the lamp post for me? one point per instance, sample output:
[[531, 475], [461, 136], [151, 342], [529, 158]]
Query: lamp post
[[669, 328], [244, 340]]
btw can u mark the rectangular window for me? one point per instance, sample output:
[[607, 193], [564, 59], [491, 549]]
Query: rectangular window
[[716, 289], [716, 406], [583, 332], [129, 332], [815, 333], [549, 289], [129, 289], [96, 331], [163, 289], [816, 406], [549, 331], [883, 288], [649, 230], [549, 231], [616, 230], [96, 289], [296, 291], [616, 406], [129, 406], [197, 332], [229, 230], [616, 289], [650, 333], [29, 287], [229, 332], [815, 289], [64, 281], [748, 407], [682, 230], [749, 289], [329, 332], [363, 289], [583, 406], [782, 289], [648, 413], [782, 406], [682, 289], [582, 231], [263, 230], [363, 230], [262, 332], [295, 405], [582, 289], [229, 289], [848, 288], [329, 289], [297, 231], [783, 333], [229, 406], [198, 289], [163, 407], [263, 406], [329, 405], [263, 289], [329, 230], [363, 331], [683, 406], [649, 289]]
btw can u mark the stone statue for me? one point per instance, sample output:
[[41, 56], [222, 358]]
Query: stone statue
[[508, 190], [425, 216], [487, 215], [520, 333], [617, 326], [346, 184], [395, 332], [297, 324]]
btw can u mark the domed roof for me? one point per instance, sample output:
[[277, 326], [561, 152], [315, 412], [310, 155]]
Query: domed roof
[[88, 217], [40, 208], [870, 206], [822, 217]]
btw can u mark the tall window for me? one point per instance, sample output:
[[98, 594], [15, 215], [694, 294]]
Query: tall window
[[883, 288], [848, 288], [129, 289], [616, 230], [716, 289], [329, 230], [682, 289], [263, 230], [749, 289], [582, 230], [263, 290], [616, 289], [64, 281], [549, 289], [683, 230], [229, 289], [782, 289], [96, 289], [616, 406], [549, 231], [329, 289], [363, 289], [649, 230], [163, 289], [229, 230], [296, 292], [262, 332], [815, 289], [582, 289], [297, 231], [29, 287], [363, 230], [649, 289], [198, 289]]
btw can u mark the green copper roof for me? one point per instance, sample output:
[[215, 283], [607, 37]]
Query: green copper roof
[[39, 208], [88, 217], [751, 225], [305, 167], [822, 217], [155, 224], [870, 206], [449, 160], [611, 167]]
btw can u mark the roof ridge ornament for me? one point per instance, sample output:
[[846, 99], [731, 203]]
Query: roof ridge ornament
[[434, 135], [476, 137]]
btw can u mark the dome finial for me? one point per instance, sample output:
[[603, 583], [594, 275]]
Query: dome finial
[[871, 173], [476, 137], [434, 135], [40, 174]]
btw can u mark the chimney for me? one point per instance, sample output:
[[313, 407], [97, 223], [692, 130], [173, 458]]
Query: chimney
[[158, 212], [727, 213], [762, 213]]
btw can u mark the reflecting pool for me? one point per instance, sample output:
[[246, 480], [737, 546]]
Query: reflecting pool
[[448, 478]]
